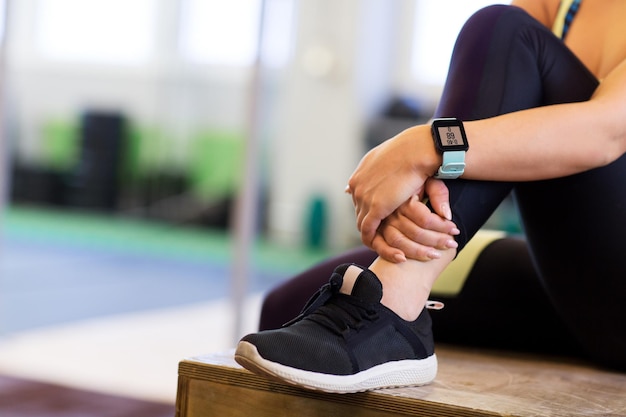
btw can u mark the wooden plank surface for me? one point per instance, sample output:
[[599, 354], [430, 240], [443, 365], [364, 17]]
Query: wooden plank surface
[[469, 383]]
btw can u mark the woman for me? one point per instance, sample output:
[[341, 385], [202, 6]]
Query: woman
[[539, 124]]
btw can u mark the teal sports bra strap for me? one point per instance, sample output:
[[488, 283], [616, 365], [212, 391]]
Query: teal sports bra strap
[[565, 16]]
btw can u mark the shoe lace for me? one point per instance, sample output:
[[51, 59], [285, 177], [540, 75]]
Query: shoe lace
[[343, 314], [339, 312], [318, 299]]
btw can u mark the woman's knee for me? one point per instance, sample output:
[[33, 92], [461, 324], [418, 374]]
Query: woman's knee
[[480, 27]]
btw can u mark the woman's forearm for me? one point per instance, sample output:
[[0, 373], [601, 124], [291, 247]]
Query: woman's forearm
[[552, 141], [536, 144]]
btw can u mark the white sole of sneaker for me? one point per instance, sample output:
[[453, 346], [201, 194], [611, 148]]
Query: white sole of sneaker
[[387, 375]]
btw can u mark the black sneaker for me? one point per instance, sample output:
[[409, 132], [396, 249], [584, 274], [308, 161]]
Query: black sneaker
[[345, 343]]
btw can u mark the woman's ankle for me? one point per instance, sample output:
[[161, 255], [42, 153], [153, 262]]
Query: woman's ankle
[[404, 292]]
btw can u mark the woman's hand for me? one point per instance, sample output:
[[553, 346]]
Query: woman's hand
[[413, 231], [389, 175]]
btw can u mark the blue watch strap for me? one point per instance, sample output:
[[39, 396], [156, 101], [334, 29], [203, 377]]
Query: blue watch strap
[[453, 165]]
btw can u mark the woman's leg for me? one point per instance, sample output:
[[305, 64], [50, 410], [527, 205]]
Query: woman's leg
[[573, 224], [504, 284]]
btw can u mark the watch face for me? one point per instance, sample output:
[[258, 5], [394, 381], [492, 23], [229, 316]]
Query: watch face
[[450, 136]]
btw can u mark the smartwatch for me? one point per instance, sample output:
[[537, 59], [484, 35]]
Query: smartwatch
[[451, 142]]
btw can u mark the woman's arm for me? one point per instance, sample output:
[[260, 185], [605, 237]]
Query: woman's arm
[[535, 144], [552, 141]]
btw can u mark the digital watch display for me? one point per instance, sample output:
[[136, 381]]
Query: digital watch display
[[451, 142]]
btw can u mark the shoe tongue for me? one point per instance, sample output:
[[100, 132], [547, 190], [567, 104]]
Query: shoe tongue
[[367, 287]]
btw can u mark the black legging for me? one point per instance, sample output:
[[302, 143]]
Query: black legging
[[505, 61]]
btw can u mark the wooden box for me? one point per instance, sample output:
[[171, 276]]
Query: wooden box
[[469, 383]]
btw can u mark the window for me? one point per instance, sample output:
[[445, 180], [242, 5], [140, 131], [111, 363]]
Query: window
[[226, 32], [437, 24], [278, 32], [3, 12], [97, 31]]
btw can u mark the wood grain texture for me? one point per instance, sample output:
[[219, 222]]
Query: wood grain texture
[[469, 383]]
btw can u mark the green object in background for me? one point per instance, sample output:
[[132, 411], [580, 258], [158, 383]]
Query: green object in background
[[144, 147], [316, 226], [215, 164], [145, 152], [60, 144]]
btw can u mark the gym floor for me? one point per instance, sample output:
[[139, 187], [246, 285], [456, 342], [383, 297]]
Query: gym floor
[[113, 304]]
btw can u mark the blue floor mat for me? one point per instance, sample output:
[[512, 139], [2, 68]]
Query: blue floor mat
[[60, 266], [46, 284]]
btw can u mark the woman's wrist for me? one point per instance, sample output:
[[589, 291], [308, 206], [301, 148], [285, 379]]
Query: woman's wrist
[[425, 158]]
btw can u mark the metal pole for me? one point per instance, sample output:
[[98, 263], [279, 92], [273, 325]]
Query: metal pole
[[4, 152], [4, 142], [248, 198]]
